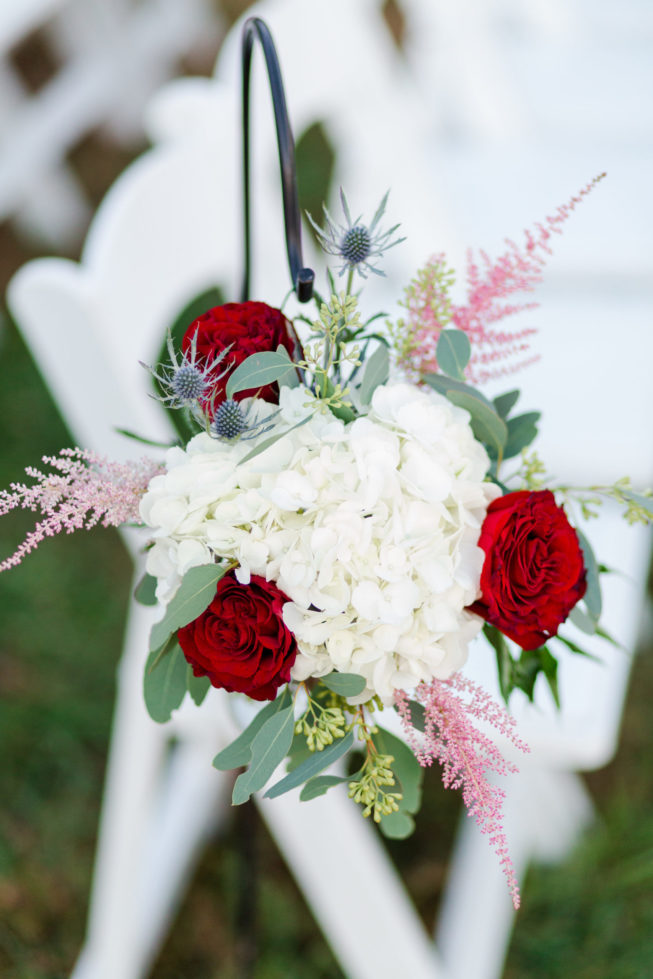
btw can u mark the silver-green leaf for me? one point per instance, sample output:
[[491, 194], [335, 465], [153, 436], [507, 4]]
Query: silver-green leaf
[[318, 761], [144, 593], [453, 352], [486, 425], [197, 686], [345, 684], [193, 596], [239, 752], [320, 785], [257, 371], [397, 825], [165, 686], [377, 369], [269, 748], [592, 597]]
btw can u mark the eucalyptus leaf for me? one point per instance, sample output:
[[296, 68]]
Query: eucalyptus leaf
[[486, 425], [318, 761], [345, 684], [582, 620], [320, 784], [453, 352], [592, 597], [193, 596], [163, 650], [522, 429], [197, 686], [164, 688], [269, 748], [144, 593], [504, 403], [444, 385], [239, 752], [407, 769], [377, 369], [397, 825], [257, 371]]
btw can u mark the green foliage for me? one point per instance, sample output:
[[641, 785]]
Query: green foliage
[[145, 590], [522, 672], [446, 385], [259, 370], [321, 784], [486, 425], [193, 596], [376, 372], [312, 766], [239, 752], [504, 403], [453, 352], [522, 430], [592, 597], [269, 748], [164, 684], [197, 686], [344, 684]]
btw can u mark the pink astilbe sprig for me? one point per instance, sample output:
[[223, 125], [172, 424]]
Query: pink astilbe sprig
[[490, 283], [465, 754], [83, 490]]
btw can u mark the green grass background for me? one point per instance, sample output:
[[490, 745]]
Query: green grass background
[[61, 616]]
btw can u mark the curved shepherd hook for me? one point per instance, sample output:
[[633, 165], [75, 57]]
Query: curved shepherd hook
[[302, 278]]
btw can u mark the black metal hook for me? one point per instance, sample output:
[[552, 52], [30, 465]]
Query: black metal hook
[[302, 278]]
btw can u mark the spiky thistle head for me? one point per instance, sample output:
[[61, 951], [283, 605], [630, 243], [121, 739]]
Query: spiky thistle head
[[187, 381], [234, 420], [354, 242], [229, 421]]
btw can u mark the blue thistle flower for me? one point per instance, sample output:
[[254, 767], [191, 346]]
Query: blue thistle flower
[[229, 422], [356, 243], [186, 381], [233, 420]]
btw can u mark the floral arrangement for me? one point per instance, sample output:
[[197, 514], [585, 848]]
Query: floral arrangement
[[340, 526]]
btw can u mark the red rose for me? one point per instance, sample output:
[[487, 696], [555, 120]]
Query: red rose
[[248, 328], [241, 641], [534, 572]]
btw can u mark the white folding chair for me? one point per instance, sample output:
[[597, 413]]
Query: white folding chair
[[166, 232], [113, 54]]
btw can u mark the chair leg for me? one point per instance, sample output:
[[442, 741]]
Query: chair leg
[[545, 813], [367, 918], [136, 755]]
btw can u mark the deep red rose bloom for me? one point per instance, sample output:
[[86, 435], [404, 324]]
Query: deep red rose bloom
[[534, 572], [241, 641], [249, 328]]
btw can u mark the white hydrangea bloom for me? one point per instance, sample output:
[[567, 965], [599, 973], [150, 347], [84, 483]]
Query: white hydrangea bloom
[[369, 528]]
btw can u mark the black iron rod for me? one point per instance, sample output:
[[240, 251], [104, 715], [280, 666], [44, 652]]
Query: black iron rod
[[302, 278]]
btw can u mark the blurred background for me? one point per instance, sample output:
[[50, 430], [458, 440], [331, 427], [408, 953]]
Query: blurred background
[[581, 71]]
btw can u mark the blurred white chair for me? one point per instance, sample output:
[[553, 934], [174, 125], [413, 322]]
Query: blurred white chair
[[168, 230], [113, 55]]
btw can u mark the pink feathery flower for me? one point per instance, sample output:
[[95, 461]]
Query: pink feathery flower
[[465, 754], [83, 490], [490, 283]]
